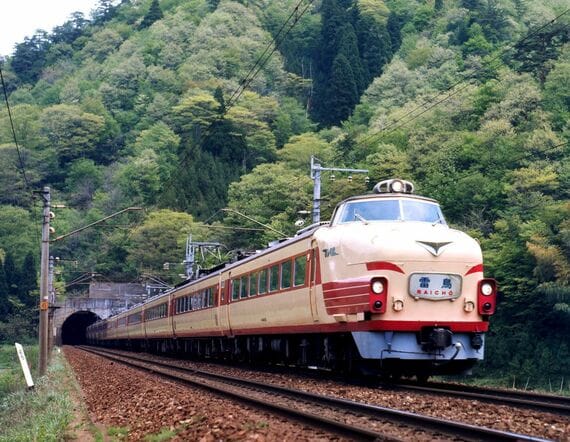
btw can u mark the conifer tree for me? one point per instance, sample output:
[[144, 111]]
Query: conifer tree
[[342, 93], [28, 281], [374, 45], [219, 96], [333, 19], [4, 298], [348, 47], [154, 13], [12, 274]]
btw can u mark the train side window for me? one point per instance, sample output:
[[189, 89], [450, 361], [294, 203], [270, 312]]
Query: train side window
[[253, 284], [263, 281], [235, 289], [244, 287], [300, 266], [286, 274], [274, 278]]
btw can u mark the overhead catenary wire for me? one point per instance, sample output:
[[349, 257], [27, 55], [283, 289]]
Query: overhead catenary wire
[[272, 47], [20, 158], [253, 72], [393, 126], [21, 165]]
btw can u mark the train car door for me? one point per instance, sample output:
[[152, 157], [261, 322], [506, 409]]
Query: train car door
[[314, 280], [223, 313], [171, 313]]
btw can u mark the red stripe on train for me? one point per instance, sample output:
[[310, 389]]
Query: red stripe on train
[[383, 265], [347, 300], [475, 269], [409, 326], [358, 290]]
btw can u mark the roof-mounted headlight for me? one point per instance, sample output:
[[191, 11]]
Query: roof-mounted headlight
[[394, 186]]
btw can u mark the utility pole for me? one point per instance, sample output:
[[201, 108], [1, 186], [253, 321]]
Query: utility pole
[[316, 170], [44, 283]]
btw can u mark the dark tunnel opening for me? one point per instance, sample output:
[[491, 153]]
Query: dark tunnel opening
[[74, 327]]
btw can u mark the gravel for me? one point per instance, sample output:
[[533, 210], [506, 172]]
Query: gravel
[[119, 396]]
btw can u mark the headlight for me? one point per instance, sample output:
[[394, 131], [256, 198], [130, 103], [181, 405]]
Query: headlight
[[486, 289], [377, 287], [397, 186]]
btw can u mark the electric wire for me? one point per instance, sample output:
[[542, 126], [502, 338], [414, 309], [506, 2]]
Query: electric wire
[[21, 165], [253, 72], [475, 172], [274, 45], [20, 158], [389, 128]]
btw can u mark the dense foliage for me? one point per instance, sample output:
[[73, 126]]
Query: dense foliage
[[142, 105]]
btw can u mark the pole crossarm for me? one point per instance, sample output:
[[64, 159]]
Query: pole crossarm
[[316, 170], [128, 209]]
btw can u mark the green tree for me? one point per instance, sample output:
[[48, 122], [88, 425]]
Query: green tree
[[28, 281], [271, 194], [30, 56], [154, 14], [5, 305], [83, 180], [160, 239], [296, 154], [348, 46], [556, 95], [374, 45], [12, 274], [72, 132], [17, 232], [342, 94]]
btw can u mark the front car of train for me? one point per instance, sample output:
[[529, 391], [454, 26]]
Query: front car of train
[[409, 288]]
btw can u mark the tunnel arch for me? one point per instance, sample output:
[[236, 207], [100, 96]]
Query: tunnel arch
[[74, 327]]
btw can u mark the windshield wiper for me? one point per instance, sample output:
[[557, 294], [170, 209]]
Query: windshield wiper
[[439, 220], [361, 218]]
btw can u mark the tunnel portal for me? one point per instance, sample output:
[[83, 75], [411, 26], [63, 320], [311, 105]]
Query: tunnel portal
[[74, 327]]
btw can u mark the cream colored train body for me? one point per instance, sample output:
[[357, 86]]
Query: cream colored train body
[[386, 286]]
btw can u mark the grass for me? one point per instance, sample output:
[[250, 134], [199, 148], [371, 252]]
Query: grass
[[118, 433], [164, 435], [11, 376], [41, 414], [551, 386]]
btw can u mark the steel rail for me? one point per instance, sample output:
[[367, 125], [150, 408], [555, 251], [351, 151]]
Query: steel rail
[[456, 429], [314, 420], [536, 401]]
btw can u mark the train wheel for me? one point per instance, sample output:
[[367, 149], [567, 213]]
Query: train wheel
[[422, 378]]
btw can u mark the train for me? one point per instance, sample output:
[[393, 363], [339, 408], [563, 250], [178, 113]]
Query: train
[[386, 287]]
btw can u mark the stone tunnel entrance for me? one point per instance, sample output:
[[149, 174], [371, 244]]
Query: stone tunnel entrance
[[74, 327]]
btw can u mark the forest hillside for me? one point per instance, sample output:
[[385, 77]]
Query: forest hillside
[[186, 107]]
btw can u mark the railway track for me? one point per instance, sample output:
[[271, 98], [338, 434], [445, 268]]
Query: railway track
[[535, 401], [350, 419]]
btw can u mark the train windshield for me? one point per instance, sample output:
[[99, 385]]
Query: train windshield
[[390, 210]]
